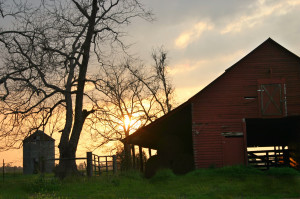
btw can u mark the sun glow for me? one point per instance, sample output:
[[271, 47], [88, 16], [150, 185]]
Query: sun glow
[[127, 121], [130, 124]]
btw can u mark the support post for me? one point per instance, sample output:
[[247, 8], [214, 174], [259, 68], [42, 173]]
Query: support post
[[150, 152], [133, 156], [114, 164], [141, 159], [89, 167]]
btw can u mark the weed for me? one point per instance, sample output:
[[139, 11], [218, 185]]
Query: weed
[[44, 184], [46, 196], [228, 182]]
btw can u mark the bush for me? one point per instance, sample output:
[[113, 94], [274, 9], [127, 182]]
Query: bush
[[163, 175], [238, 170], [283, 171], [132, 174]]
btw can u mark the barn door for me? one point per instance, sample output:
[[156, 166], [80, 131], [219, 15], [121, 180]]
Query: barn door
[[272, 99], [233, 148]]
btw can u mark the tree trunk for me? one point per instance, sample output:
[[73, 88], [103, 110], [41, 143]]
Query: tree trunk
[[68, 144], [127, 160], [67, 163]]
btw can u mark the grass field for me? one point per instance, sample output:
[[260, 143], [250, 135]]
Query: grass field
[[228, 182]]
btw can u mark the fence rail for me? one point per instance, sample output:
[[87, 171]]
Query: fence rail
[[102, 164], [269, 158], [95, 163]]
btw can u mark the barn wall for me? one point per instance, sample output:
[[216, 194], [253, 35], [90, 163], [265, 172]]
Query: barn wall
[[235, 96]]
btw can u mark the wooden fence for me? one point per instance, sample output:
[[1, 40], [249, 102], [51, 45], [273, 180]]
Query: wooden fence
[[269, 158], [95, 163]]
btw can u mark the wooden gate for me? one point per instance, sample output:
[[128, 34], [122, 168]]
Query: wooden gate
[[265, 159], [98, 164]]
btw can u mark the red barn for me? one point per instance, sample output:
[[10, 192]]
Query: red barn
[[254, 103]]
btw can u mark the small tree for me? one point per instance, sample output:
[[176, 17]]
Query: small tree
[[133, 95]]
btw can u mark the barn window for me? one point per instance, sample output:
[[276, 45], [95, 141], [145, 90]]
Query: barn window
[[232, 134], [250, 98]]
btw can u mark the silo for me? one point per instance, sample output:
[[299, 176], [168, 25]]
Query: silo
[[38, 153]]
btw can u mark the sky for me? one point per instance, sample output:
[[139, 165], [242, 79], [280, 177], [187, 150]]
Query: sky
[[203, 38]]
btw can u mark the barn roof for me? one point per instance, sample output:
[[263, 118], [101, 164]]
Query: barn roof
[[268, 41], [38, 135], [142, 136], [148, 135]]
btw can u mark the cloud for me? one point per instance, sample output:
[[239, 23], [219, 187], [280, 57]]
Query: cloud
[[187, 37], [262, 11], [187, 66]]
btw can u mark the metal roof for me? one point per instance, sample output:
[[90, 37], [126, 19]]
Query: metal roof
[[38, 136]]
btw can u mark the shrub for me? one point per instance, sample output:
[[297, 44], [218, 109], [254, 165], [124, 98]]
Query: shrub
[[238, 170], [283, 171], [163, 175], [132, 174]]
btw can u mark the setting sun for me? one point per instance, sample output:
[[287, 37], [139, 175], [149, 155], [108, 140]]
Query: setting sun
[[130, 124], [127, 122]]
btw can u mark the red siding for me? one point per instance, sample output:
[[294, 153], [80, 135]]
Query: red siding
[[223, 104]]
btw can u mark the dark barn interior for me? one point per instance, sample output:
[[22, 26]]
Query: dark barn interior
[[172, 138], [280, 134]]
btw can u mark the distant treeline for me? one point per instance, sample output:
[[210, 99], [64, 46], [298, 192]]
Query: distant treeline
[[11, 169]]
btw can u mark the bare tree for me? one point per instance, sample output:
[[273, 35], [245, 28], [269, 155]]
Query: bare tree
[[119, 111], [46, 62], [133, 95], [165, 87], [158, 83]]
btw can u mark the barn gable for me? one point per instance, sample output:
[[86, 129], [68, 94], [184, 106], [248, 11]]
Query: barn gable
[[264, 84], [259, 91]]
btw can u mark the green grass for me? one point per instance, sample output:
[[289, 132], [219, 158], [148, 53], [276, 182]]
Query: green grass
[[227, 182]]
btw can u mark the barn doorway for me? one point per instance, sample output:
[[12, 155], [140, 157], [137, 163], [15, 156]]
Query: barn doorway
[[273, 142]]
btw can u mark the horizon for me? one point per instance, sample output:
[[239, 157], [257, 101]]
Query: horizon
[[203, 39]]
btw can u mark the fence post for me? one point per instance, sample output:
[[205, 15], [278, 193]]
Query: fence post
[[114, 164], [267, 159], [106, 165], [286, 158], [89, 167], [99, 165], [95, 166], [3, 171]]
